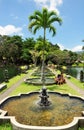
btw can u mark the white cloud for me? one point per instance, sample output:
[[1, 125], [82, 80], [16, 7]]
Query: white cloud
[[61, 46], [74, 49], [10, 30], [50, 4], [77, 48]]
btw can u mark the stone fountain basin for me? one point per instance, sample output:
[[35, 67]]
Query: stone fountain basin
[[37, 81], [76, 122], [46, 74]]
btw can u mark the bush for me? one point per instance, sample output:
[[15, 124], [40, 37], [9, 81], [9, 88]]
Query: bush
[[12, 71]]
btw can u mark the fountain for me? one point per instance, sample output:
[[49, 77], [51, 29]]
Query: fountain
[[39, 78], [44, 111], [26, 112], [52, 111], [44, 98]]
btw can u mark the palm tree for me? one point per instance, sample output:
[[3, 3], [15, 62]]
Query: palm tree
[[83, 56], [44, 20]]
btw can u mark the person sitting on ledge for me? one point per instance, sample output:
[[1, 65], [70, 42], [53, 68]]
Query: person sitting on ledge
[[60, 79]]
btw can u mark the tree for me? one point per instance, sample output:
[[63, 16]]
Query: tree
[[8, 49], [27, 46], [13, 47], [26, 56], [44, 20], [29, 43], [83, 57], [39, 48], [34, 55]]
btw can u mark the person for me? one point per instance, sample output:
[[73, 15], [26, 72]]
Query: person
[[60, 79]]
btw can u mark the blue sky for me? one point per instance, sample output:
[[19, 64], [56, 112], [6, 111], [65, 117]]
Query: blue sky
[[14, 20]]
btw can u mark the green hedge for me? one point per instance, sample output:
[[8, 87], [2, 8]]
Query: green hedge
[[12, 71]]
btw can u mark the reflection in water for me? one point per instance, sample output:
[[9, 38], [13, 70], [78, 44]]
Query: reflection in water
[[75, 71]]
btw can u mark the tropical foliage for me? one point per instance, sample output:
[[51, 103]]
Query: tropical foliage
[[19, 51], [44, 20]]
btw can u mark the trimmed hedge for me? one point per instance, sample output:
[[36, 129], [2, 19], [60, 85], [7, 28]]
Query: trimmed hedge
[[12, 71]]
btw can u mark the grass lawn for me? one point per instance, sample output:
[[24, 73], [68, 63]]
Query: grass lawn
[[12, 81], [24, 88], [64, 89], [5, 126], [77, 83]]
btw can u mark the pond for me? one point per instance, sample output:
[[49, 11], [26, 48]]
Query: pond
[[75, 71], [27, 111]]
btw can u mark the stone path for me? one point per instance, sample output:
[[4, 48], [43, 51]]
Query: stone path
[[79, 90], [12, 88], [72, 85]]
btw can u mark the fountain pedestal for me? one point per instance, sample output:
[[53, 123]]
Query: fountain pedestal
[[44, 98]]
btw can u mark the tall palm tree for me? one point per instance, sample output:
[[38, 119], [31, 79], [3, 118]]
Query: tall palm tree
[[45, 20], [83, 56]]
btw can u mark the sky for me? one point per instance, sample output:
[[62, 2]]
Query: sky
[[14, 20]]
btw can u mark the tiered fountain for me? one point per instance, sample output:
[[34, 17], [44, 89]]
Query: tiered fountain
[[38, 78], [52, 111]]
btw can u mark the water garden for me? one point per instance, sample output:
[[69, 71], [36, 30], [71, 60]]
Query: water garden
[[44, 100], [43, 106]]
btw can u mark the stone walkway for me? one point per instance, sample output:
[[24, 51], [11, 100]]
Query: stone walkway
[[79, 90], [12, 88], [72, 85]]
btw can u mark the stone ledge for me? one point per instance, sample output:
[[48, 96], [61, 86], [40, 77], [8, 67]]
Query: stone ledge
[[2, 86], [77, 122], [74, 125]]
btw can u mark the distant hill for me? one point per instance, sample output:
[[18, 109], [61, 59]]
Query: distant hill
[[79, 52]]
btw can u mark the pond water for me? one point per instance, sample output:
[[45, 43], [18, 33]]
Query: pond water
[[27, 110], [75, 71]]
